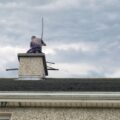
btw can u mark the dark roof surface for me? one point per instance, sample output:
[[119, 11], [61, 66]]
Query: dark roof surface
[[85, 84]]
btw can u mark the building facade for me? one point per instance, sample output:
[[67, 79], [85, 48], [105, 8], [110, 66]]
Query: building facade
[[33, 97], [59, 99]]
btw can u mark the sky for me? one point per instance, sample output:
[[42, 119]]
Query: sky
[[82, 36]]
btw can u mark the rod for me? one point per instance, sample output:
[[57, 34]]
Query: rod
[[42, 29], [10, 69], [51, 62], [51, 68]]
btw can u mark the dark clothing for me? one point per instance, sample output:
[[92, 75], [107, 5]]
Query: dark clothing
[[36, 45], [35, 50]]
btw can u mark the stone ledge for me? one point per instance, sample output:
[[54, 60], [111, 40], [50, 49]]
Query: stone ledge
[[31, 55], [73, 99], [30, 77]]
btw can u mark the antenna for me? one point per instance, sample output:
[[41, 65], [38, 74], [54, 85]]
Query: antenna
[[42, 29], [51, 68], [50, 62], [11, 69]]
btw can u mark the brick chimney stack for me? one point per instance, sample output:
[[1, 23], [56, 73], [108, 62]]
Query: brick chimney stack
[[32, 66]]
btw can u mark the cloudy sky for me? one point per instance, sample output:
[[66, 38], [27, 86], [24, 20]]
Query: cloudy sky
[[82, 36]]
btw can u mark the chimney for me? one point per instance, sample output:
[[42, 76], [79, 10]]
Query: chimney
[[32, 66]]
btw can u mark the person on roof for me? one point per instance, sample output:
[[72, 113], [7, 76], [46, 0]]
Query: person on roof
[[36, 45]]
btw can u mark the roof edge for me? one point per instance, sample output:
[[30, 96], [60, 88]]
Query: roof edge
[[60, 99]]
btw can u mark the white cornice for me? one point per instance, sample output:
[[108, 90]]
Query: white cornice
[[60, 99]]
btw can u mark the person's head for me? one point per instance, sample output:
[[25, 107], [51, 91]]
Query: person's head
[[33, 37]]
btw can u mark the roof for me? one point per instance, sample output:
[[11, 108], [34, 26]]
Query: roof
[[62, 84], [70, 92]]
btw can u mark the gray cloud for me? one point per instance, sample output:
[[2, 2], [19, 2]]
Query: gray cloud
[[92, 22]]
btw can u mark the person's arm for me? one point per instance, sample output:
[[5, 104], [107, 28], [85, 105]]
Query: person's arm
[[30, 44], [43, 43]]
